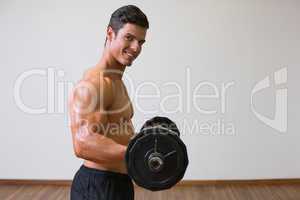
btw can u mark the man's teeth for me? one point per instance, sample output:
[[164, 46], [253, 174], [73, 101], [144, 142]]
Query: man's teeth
[[129, 54]]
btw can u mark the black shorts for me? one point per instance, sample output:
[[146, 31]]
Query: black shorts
[[94, 184]]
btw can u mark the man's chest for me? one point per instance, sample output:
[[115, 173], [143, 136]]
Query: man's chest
[[121, 106]]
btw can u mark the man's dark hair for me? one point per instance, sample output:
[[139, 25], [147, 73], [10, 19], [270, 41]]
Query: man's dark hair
[[127, 14]]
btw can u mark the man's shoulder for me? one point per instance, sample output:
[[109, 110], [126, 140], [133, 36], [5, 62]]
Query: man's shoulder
[[97, 78], [95, 82]]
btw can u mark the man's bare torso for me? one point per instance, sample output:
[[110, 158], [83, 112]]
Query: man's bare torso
[[118, 125]]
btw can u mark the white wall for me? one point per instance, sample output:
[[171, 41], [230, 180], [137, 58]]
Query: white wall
[[236, 42]]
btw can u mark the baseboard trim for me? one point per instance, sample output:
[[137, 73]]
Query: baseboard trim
[[35, 182], [239, 182], [181, 183]]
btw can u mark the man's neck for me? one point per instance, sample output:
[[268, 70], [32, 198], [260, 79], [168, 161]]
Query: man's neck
[[110, 66]]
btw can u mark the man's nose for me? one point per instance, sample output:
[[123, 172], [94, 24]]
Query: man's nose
[[135, 46]]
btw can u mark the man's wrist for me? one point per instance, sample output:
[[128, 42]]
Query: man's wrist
[[122, 151]]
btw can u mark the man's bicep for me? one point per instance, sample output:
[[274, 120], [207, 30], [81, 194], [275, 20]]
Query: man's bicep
[[89, 106]]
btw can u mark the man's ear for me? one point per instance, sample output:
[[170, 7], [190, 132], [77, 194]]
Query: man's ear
[[110, 34]]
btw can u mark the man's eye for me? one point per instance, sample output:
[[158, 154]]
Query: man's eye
[[128, 38]]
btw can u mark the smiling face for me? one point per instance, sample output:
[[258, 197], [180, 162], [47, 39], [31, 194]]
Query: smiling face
[[126, 45]]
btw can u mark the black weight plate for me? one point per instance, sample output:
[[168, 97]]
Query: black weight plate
[[174, 164]]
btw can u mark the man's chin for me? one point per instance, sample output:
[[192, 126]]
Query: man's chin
[[128, 63]]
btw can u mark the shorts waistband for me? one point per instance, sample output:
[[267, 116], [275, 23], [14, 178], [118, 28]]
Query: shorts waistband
[[104, 172]]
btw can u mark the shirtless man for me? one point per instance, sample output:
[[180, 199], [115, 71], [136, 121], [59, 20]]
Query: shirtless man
[[101, 111]]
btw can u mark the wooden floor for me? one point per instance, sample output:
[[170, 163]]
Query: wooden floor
[[210, 192]]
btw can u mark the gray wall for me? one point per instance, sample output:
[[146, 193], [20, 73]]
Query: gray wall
[[201, 64]]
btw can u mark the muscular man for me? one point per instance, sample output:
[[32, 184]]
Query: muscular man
[[101, 112]]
